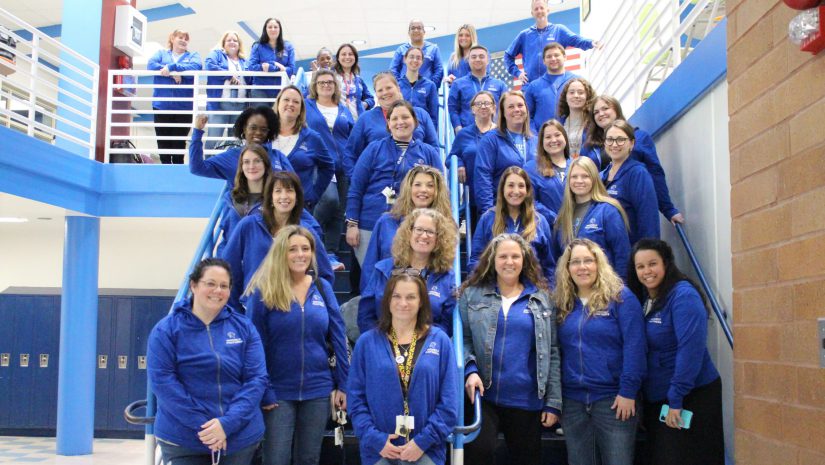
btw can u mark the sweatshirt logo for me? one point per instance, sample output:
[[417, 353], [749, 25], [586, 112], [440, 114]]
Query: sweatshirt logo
[[422, 91], [318, 301], [433, 349], [232, 339], [656, 320], [434, 292], [591, 225], [613, 191], [602, 313], [304, 147]]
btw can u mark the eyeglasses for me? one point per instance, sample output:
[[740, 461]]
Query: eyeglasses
[[416, 28], [415, 272], [326, 83], [483, 104], [620, 141], [582, 262], [424, 232], [211, 285]]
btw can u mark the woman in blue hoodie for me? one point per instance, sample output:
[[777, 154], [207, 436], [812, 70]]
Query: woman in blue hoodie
[[680, 373], [207, 368], [297, 317], [227, 56], [511, 355], [354, 91], [602, 339], [417, 89], [549, 169], [425, 241], [271, 54], [402, 379]]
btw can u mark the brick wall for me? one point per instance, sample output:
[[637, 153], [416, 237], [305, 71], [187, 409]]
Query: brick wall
[[777, 154]]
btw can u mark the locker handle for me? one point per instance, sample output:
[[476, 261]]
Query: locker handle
[[24, 360], [44, 360], [5, 359], [102, 361]]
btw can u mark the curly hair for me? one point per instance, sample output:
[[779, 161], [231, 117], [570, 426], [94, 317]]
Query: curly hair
[[563, 109], [441, 202], [442, 256], [607, 288], [527, 210], [485, 272]]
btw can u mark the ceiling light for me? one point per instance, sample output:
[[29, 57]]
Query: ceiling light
[[358, 42], [11, 219]]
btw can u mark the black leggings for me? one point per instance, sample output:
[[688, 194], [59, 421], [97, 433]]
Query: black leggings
[[522, 434], [161, 130]]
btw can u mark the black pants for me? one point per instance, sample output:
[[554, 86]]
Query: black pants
[[522, 434], [161, 130], [702, 444]]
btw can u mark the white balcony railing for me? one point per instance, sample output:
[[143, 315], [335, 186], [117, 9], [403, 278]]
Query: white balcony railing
[[47, 90]]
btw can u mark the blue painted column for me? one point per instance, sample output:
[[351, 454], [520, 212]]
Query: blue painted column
[[78, 337]]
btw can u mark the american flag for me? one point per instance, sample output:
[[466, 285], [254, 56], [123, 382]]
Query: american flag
[[499, 70]]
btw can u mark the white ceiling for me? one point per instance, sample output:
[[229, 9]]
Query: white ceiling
[[309, 24]]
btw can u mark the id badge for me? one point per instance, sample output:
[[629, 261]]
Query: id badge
[[339, 436], [389, 194], [404, 425]]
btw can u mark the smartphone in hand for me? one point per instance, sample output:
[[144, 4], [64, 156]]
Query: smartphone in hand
[[687, 416]]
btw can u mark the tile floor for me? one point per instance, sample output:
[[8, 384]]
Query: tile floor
[[26, 450]]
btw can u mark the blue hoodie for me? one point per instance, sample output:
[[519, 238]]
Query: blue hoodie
[[199, 372], [380, 166], [462, 92], [372, 126], [677, 359], [295, 343], [225, 164], [264, 53], [218, 61], [335, 138], [441, 289], [542, 97], [547, 190], [465, 146], [496, 153], [424, 95], [189, 61], [460, 70], [380, 246], [530, 43], [633, 188], [250, 242], [230, 218], [541, 244], [432, 68], [603, 354], [313, 163], [357, 90], [375, 398]]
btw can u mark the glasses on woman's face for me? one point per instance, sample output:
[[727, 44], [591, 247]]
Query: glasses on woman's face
[[407, 271], [325, 83], [483, 104], [211, 285], [424, 232], [588, 262], [620, 141]]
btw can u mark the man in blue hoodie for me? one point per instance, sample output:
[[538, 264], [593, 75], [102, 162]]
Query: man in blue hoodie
[[542, 94], [465, 88], [432, 68]]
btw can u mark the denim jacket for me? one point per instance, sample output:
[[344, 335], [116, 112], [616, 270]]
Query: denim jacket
[[479, 307]]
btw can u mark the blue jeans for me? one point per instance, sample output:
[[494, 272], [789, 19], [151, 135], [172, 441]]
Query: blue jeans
[[330, 214], [223, 119], [177, 455], [592, 430], [424, 460], [264, 94], [295, 428]]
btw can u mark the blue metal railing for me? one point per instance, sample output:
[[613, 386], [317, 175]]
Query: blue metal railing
[[721, 314]]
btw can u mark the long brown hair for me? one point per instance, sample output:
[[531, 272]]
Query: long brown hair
[[595, 134], [527, 209], [502, 121], [543, 162], [288, 180], [425, 312], [563, 109], [485, 272], [240, 193]]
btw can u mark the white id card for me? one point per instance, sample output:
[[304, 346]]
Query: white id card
[[404, 425], [389, 194], [339, 436]]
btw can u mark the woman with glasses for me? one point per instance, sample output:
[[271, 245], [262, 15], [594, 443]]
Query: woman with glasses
[[297, 316], [354, 91], [512, 144], [628, 181], [376, 178], [515, 213], [425, 243], [327, 114], [587, 212], [549, 169], [422, 187], [607, 109], [271, 54], [227, 56], [416, 89], [401, 389], [202, 348], [511, 354], [602, 340], [465, 145]]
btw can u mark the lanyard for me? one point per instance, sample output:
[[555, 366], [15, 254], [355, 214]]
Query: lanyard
[[522, 151], [349, 85], [405, 366], [398, 164]]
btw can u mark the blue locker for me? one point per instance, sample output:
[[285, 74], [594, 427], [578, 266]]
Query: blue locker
[[6, 351], [22, 373], [45, 317], [105, 304]]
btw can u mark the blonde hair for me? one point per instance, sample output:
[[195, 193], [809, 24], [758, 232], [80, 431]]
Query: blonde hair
[[564, 220], [527, 210], [301, 120], [441, 201], [502, 121], [442, 256], [607, 288], [175, 33], [241, 53], [458, 53], [272, 278]]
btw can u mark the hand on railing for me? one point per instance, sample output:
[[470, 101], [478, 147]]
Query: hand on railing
[[200, 121]]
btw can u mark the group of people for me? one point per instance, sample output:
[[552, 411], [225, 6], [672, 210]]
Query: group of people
[[573, 311]]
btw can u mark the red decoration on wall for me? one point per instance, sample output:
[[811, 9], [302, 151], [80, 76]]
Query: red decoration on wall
[[802, 4], [816, 42]]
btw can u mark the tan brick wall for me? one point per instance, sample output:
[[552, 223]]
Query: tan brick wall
[[777, 154]]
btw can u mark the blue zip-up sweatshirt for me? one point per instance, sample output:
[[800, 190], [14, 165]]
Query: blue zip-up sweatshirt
[[604, 354], [440, 287], [548, 191], [218, 61], [357, 90], [199, 372], [264, 53], [432, 68], [295, 343], [380, 246], [225, 164], [633, 188], [230, 218], [313, 163], [460, 70], [189, 61], [496, 153], [462, 92], [250, 242], [335, 138], [602, 224], [541, 244], [381, 166], [423, 94], [530, 43], [677, 356], [375, 398], [372, 126], [542, 97], [465, 146]]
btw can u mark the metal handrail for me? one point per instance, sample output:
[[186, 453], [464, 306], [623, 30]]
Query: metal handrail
[[721, 314], [133, 419]]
